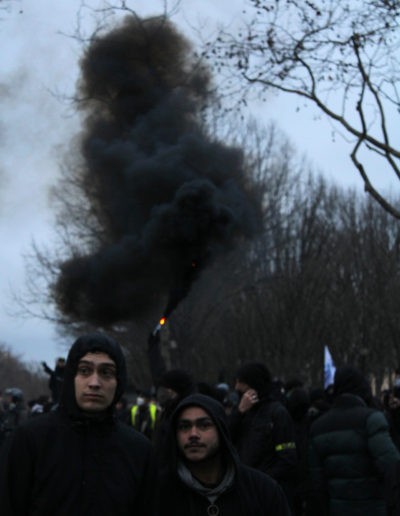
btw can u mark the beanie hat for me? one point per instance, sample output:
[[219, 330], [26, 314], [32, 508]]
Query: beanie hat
[[350, 380], [179, 381], [257, 376]]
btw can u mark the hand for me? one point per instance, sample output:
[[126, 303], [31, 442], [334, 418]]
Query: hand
[[248, 399]]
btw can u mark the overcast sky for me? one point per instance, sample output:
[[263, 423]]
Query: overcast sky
[[38, 60]]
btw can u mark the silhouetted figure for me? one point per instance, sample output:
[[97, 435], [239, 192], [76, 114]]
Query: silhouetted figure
[[56, 378]]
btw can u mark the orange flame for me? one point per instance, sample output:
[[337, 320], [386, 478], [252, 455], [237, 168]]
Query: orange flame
[[163, 320]]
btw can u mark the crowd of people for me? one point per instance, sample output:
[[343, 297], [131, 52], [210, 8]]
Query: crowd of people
[[184, 447]]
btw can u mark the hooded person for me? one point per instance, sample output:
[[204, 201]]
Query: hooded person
[[79, 459], [350, 452], [262, 429], [202, 473]]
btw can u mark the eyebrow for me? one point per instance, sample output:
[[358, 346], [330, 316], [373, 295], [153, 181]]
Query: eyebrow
[[198, 420], [87, 362]]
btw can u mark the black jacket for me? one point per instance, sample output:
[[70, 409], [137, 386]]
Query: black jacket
[[252, 493], [265, 439], [66, 463], [350, 453]]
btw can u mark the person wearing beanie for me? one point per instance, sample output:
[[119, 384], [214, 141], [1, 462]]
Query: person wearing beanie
[[203, 474], [79, 459], [350, 452], [262, 429]]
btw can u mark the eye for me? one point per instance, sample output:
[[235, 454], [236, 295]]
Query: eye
[[205, 424], [184, 426], [84, 370], [108, 373]]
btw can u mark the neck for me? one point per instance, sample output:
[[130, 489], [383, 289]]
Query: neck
[[208, 472]]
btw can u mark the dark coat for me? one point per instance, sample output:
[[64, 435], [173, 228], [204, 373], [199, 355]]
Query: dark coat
[[252, 493], [350, 452], [67, 463], [265, 439]]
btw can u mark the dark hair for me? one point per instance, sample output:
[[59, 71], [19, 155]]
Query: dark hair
[[179, 381], [350, 380], [256, 375]]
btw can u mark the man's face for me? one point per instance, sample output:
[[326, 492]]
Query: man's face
[[197, 436], [95, 382]]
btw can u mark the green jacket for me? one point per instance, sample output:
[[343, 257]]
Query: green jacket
[[349, 454]]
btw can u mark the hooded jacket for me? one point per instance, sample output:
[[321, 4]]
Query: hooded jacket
[[264, 435], [247, 493], [68, 462], [350, 452]]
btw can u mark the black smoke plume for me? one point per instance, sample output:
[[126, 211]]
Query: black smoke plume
[[167, 196]]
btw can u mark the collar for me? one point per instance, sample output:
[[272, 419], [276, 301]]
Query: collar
[[211, 493], [347, 400]]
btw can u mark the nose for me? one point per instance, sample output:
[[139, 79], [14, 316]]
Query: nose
[[193, 433], [94, 380]]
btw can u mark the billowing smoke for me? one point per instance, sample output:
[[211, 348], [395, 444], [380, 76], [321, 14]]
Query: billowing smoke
[[167, 196]]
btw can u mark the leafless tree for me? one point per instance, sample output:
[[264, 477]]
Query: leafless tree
[[15, 373], [343, 57]]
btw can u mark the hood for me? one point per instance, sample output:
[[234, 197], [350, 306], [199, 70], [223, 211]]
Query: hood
[[349, 380], [88, 344], [217, 413]]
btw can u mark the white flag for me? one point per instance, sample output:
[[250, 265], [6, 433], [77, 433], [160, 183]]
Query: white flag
[[329, 368]]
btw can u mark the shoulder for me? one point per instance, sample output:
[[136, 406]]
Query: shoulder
[[377, 418], [131, 437], [263, 489], [376, 421], [255, 475], [274, 410], [258, 480], [39, 425]]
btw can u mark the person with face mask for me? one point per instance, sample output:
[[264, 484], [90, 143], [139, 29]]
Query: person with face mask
[[79, 459]]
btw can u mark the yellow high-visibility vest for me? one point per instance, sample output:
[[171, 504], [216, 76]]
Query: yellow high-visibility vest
[[152, 410]]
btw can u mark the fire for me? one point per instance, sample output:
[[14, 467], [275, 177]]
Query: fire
[[160, 324]]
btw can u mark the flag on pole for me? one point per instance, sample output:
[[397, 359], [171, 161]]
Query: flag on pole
[[329, 368]]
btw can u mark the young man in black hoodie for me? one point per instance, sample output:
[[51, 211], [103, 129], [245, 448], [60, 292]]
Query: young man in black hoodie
[[202, 473], [79, 459]]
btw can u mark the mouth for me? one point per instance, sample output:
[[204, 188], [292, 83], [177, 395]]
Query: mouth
[[94, 397]]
